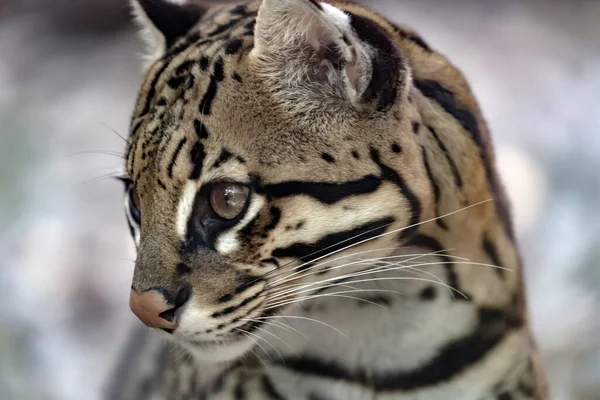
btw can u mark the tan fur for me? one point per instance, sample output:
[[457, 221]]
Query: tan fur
[[281, 123]]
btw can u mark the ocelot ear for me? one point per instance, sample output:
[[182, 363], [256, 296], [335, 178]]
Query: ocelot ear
[[164, 21], [302, 40]]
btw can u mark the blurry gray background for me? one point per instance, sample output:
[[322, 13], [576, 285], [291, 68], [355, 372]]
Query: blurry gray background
[[69, 72]]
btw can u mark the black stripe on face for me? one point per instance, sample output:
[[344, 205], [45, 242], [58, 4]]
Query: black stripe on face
[[452, 359], [232, 309], [175, 155], [269, 389], [427, 242], [390, 175], [332, 242], [492, 253], [325, 192], [197, 157], [436, 190], [217, 76], [457, 178], [445, 98]]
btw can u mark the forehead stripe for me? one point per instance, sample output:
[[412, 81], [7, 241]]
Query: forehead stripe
[[217, 76], [325, 192]]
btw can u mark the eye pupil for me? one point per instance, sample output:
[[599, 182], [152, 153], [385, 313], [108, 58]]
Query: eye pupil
[[228, 200]]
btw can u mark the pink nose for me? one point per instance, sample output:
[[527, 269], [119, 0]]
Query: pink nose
[[149, 308]]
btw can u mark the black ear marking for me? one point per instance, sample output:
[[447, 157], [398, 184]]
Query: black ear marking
[[172, 20]]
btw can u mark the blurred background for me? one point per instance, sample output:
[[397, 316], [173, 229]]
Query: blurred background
[[69, 73]]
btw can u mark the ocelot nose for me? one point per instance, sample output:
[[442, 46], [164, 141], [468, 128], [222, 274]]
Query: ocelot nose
[[157, 308]]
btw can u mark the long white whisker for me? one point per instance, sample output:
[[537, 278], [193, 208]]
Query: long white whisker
[[307, 319], [362, 262], [261, 338], [336, 294], [246, 333], [383, 234]]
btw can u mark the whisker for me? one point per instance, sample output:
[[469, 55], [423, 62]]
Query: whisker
[[263, 339], [380, 235], [245, 333], [115, 132], [304, 274], [97, 152], [336, 294], [307, 319], [278, 338]]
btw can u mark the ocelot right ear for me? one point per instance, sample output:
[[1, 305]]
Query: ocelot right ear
[[164, 21]]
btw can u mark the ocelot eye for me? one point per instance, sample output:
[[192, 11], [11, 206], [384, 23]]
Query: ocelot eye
[[228, 200], [134, 204]]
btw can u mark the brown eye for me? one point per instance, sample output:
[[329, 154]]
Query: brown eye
[[228, 199]]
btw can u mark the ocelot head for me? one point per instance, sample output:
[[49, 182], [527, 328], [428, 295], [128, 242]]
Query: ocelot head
[[271, 153]]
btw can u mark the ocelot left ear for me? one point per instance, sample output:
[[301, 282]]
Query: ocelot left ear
[[164, 21]]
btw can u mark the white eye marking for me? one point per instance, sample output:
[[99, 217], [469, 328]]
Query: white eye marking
[[227, 242], [132, 221], [185, 208]]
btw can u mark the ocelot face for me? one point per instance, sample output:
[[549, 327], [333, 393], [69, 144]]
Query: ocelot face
[[269, 156]]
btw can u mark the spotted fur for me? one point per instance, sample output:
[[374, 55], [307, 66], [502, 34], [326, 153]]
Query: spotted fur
[[375, 257]]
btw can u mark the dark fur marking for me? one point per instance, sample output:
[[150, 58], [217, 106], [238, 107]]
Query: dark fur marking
[[416, 127], [387, 63], [233, 46], [211, 92], [161, 184], [396, 148], [239, 392], [328, 157], [452, 359], [325, 192], [184, 67], [222, 28], [316, 4], [223, 158], [436, 190], [172, 20], [332, 242], [428, 293], [355, 154], [231, 309], [457, 178], [430, 243], [197, 157], [203, 63], [445, 98], [237, 77], [492, 254], [269, 389], [413, 38], [162, 102], [182, 143], [200, 129], [177, 81], [275, 218], [182, 269], [390, 175], [505, 396]]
